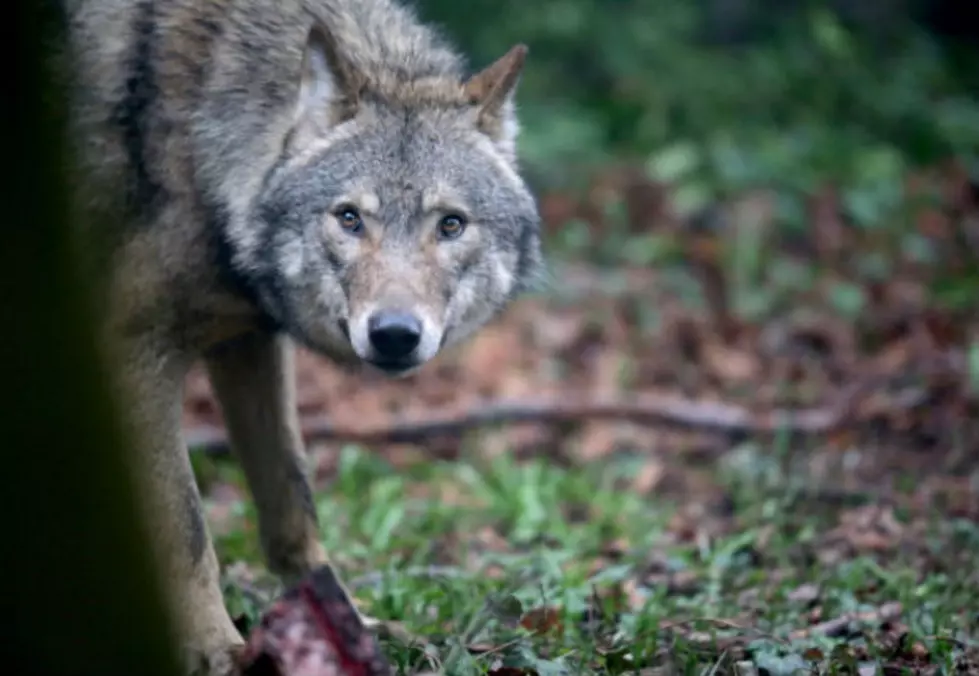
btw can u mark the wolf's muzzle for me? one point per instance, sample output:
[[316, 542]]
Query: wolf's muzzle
[[394, 336]]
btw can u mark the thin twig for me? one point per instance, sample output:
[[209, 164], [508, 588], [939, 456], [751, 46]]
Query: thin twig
[[720, 623], [376, 578], [643, 409], [839, 625], [831, 628]]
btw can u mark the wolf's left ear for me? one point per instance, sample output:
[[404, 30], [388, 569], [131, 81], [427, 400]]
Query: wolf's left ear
[[491, 92], [329, 91]]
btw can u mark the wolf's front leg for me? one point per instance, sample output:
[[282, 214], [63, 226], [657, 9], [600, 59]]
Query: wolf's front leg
[[153, 386], [254, 380]]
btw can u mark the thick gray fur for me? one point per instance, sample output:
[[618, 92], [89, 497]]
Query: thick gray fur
[[222, 147]]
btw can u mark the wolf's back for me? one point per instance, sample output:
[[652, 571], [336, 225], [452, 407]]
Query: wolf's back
[[110, 36]]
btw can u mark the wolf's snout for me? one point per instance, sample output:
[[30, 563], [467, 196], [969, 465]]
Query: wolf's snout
[[394, 335]]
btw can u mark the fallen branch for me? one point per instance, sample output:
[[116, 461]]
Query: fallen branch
[[643, 409]]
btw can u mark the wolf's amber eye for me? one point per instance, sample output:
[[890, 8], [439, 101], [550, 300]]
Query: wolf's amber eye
[[350, 219], [451, 226]]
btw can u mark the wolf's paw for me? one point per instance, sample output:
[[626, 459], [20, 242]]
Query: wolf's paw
[[214, 661]]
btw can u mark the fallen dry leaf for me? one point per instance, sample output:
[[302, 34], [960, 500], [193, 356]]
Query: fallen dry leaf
[[544, 620]]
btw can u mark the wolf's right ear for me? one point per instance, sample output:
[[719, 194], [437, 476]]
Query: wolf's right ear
[[491, 93], [329, 91]]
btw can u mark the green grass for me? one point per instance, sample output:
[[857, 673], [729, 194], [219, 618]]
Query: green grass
[[461, 551]]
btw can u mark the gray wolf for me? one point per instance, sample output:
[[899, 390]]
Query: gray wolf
[[256, 172]]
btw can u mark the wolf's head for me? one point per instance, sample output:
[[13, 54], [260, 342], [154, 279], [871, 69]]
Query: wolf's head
[[396, 222]]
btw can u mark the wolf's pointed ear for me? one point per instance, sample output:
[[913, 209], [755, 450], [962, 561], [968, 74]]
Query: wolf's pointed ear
[[491, 92], [329, 91]]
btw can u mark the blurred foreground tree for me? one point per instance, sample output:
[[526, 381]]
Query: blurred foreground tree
[[79, 593]]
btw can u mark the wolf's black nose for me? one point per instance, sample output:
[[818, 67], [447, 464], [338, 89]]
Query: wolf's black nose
[[394, 335]]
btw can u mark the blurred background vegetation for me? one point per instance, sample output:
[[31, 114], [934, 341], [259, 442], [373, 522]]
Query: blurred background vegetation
[[830, 106], [832, 87]]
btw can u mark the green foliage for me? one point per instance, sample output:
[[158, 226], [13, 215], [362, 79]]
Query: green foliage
[[750, 586], [629, 78]]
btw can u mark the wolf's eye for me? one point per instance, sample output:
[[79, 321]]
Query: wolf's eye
[[350, 219], [451, 226]]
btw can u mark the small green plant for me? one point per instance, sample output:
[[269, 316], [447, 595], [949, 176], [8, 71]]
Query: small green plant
[[517, 572]]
